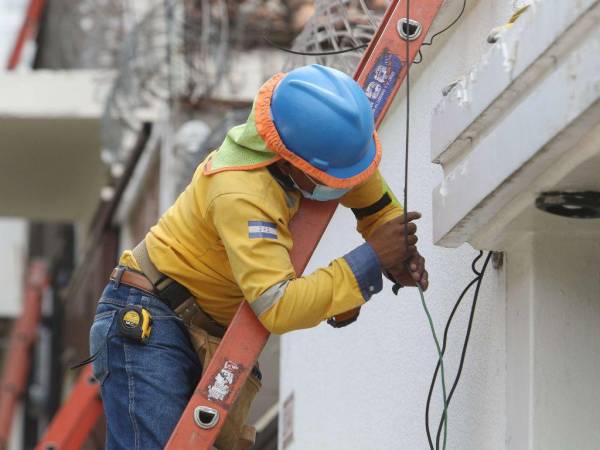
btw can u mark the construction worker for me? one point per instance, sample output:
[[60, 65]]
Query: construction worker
[[226, 240]]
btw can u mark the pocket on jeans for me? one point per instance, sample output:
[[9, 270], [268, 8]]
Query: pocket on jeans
[[99, 334]]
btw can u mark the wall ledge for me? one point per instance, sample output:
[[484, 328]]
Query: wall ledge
[[514, 115]]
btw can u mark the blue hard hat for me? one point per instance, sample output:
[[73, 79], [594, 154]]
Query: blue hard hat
[[323, 116]]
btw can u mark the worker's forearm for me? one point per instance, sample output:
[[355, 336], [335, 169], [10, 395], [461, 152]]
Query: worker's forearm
[[367, 225], [373, 203], [347, 283]]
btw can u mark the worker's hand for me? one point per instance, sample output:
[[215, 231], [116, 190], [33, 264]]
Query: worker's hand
[[388, 241], [411, 272]]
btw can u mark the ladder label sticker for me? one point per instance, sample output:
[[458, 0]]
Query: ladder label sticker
[[380, 82], [221, 385]]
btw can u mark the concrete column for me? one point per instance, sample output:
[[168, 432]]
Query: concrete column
[[553, 343], [519, 347]]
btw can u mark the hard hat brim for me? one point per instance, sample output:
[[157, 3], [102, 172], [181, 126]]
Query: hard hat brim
[[360, 167], [342, 178]]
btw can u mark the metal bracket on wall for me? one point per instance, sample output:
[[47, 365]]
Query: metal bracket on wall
[[497, 260]]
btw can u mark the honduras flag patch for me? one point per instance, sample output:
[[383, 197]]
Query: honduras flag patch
[[260, 229]]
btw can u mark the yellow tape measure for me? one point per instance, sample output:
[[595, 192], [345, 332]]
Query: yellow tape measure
[[135, 323]]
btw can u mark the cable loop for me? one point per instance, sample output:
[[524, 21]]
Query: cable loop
[[295, 52]]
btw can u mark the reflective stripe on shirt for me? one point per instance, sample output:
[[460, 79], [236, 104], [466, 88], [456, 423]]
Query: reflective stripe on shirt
[[268, 298]]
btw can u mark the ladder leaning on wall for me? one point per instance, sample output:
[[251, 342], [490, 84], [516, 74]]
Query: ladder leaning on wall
[[380, 72]]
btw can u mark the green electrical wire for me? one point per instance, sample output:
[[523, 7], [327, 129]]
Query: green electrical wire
[[441, 359], [406, 152]]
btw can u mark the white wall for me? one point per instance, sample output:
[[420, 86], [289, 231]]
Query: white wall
[[13, 253], [364, 387], [553, 342]]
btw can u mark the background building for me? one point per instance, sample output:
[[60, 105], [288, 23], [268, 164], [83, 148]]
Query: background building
[[107, 107]]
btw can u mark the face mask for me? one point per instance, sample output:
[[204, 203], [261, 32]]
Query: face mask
[[321, 193]]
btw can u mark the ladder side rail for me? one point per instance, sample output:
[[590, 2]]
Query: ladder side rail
[[388, 49]]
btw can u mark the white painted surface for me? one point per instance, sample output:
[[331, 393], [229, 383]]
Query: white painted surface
[[76, 94], [553, 343], [13, 253], [518, 58], [507, 135], [365, 386], [569, 162], [537, 118]]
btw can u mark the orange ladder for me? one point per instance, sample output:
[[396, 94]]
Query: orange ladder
[[74, 422]]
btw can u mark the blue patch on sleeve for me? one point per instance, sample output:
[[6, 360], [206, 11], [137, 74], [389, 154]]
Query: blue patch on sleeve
[[260, 229]]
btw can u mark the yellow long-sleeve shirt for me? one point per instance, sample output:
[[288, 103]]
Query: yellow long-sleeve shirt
[[226, 239]]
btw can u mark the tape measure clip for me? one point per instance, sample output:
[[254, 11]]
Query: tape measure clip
[[135, 323]]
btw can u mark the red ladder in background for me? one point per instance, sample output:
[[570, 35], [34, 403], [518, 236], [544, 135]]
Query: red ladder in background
[[27, 32], [380, 72], [18, 357], [73, 423]]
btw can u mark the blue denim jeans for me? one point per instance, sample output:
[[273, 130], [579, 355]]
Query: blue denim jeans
[[145, 387]]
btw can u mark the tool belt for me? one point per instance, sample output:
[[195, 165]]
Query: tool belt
[[175, 295], [205, 334]]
